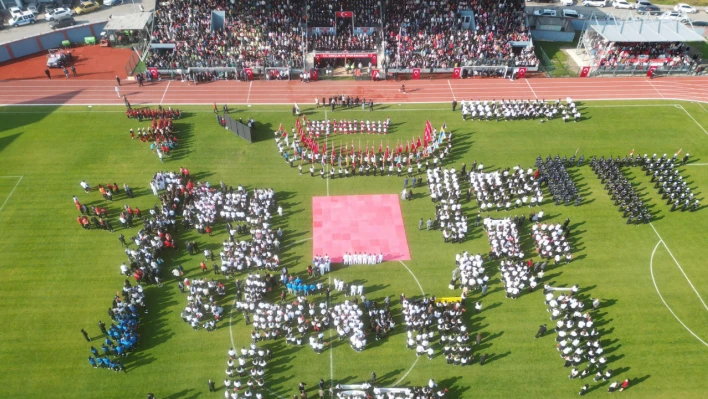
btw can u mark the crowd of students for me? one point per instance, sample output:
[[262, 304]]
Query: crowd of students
[[445, 192], [430, 34], [502, 190], [122, 335], [254, 34], [560, 184], [578, 339], [250, 365], [426, 316], [271, 34]]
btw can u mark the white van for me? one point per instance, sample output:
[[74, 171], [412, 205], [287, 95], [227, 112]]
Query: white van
[[25, 18]]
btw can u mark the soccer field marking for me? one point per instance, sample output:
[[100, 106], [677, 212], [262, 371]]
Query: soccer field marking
[[12, 191], [326, 166], [694, 119], [651, 271], [165, 93], [248, 98], [451, 91], [331, 347], [417, 357], [701, 105], [696, 164], [657, 90], [414, 277], [661, 240], [532, 91]]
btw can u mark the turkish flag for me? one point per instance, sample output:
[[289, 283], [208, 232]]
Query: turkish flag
[[153, 72], [344, 14], [521, 73], [651, 70], [314, 74], [585, 72], [416, 73], [249, 73], [457, 73], [375, 74]]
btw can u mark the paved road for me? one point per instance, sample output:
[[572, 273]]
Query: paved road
[[602, 11], [11, 34]]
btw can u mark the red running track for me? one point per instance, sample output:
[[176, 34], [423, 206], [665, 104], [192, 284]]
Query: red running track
[[102, 92]]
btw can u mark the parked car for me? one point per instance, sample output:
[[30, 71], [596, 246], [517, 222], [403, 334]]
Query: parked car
[[699, 23], [642, 3], [25, 18], [33, 9], [594, 3], [674, 16], [86, 7], [15, 11], [685, 8], [570, 13], [651, 10], [112, 2], [546, 12], [57, 13], [58, 59], [62, 23], [622, 4], [567, 2]]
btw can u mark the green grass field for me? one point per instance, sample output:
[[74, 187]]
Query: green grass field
[[58, 278]]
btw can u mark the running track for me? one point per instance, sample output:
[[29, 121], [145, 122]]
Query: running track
[[102, 92]]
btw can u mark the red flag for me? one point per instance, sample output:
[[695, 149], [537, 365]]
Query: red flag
[[651, 70], [427, 135], [297, 123], [521, 73], [280, 129], [407, 149], [416, 73], [386, 154], [380, 147], [585, 72], [418, 144], [413, 144], [324, 149], [456, 73], [249, 73]]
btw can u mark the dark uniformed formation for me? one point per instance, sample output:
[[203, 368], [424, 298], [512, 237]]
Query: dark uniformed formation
[[623, 194], [669, 182], [554, 173]]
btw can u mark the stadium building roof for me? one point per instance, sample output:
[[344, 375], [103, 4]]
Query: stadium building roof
[[645, 31], [135, 21]]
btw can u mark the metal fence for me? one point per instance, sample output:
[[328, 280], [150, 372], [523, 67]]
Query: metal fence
[[546, 65], [638, 70], [132, 64]]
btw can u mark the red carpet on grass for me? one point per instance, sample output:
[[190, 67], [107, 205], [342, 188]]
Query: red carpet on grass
[[359, 223]]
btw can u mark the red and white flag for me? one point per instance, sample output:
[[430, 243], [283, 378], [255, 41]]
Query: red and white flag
[[248, 72], [585, 72], [521, 73], [457, 73], [416, 73]]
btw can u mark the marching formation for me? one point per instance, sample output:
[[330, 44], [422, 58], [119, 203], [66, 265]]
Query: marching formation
[[501, 190], [506, 110], [577, 337], [560, 184], [445, 192], [670, 183], [616, 184]]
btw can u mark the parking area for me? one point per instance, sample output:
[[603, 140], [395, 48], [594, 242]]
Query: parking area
[[601, 12], [9, 34], [91, 62]]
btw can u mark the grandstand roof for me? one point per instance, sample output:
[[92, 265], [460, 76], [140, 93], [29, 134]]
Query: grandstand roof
[[135, 21], [645, 31]]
